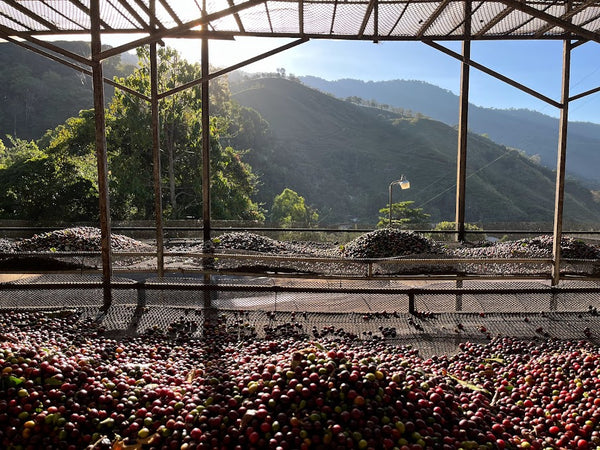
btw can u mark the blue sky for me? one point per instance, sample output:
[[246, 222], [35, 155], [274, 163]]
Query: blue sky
[[536, 64]]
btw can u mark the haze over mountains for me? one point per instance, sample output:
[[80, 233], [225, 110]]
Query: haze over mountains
[[342, 156], [530, 131]]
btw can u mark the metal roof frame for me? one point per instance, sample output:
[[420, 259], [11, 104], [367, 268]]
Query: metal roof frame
[[26, 22], [314, 19]]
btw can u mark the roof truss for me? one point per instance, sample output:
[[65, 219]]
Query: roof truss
[[314, 19]]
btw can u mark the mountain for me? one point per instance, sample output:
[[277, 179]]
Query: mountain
[[341, 157], [530, 131], [37, 93]]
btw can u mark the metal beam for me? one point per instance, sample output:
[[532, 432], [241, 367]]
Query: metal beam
[[365, 21], [101, 154], [333, 16], [398, 19], [171, 12], [211, 34], [584, 94], [236, 16], [174, 32], [463, 130], [376, 22], [7, 32], [268, 17], [440, 8], [492, 23], [301, 16], [529, 20], [49, 5], [30, 14], [590, 20], [86, 10], [567, 15], [15, 20], [565, 25], [462, 23], [131, 10], [151, 16], [83, 70], [231, 68], [493, 73]]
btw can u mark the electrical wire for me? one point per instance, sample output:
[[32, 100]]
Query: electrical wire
[[469, 176]]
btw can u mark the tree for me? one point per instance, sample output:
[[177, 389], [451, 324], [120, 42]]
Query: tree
[[19, 150], [75, 139], [289, 209], [61, 169], [232, 181], [451, 226], [38, 186], [402, 214]]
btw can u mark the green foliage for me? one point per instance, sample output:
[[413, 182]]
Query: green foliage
[[38, 186], [56, 179], [232, 180], [75, 137], [289, 209], [403, 214], [451, 226], [19, 151]]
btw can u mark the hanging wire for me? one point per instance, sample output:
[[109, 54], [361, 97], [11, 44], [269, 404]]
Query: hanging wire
[[453, 186]]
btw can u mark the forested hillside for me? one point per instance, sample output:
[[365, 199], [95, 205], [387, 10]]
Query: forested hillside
[[54, 178], [530, 131], [342, 157], [37, 93], [275, 144]]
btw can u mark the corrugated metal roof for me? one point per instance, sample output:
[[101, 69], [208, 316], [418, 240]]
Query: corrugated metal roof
[[330, 19]]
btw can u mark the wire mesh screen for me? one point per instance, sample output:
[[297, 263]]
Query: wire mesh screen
[[435, 316]]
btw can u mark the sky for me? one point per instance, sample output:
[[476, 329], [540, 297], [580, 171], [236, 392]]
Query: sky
[[536, 64]]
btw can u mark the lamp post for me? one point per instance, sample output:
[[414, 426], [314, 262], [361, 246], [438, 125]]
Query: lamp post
[[404, 184]]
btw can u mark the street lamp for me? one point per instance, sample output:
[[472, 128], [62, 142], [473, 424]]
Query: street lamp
[[404, 184]]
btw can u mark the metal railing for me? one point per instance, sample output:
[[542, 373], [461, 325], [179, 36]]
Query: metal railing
[[205, 271]]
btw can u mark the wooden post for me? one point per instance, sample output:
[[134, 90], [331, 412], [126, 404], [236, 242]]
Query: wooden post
[[205, 144], [156, 170], [206, 225], [561, 163], [411, 303], [101, 155], [461, 158]]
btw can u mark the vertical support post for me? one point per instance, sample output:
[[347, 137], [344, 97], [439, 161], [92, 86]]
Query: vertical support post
[[461, 158], [375, 22], [156, 170], [206, 225], [390, 205], [101, 154], [561, 163], [411, 302], [205, 144]]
